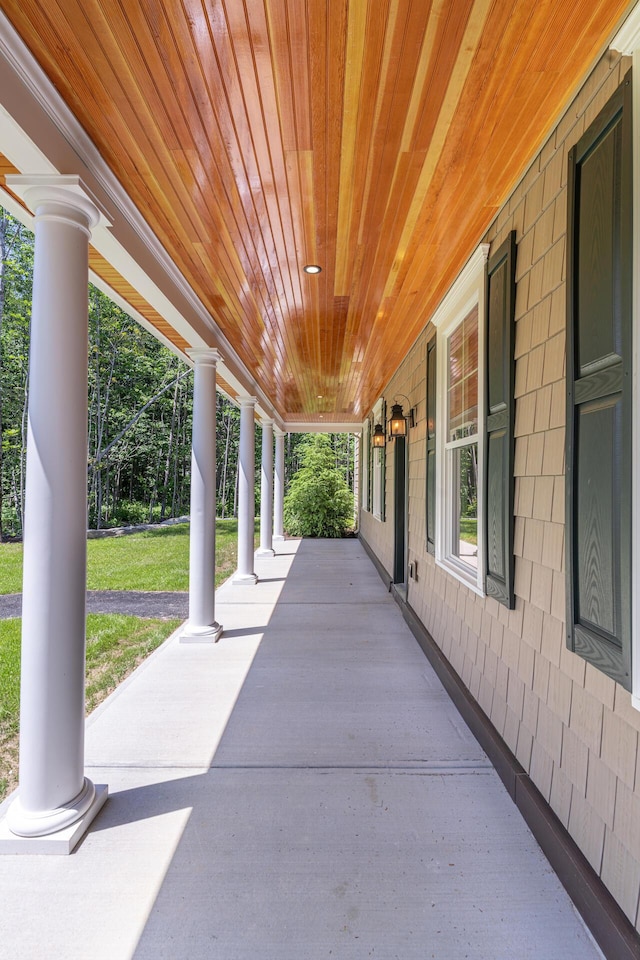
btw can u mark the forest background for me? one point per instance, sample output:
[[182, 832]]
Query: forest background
[[140, 405]]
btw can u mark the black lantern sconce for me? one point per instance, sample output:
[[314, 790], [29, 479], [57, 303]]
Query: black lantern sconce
[[398, 421], [379, 439]]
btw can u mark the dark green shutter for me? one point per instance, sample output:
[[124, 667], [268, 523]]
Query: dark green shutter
[[399, 511], [431, 446], [383, 468], [499, 445], [599, 385], [370, 452]]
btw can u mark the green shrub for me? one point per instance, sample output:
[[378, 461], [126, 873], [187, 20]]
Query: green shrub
[[131, 512], [319, 502]]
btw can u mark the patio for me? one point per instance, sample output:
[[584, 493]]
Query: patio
[[304, 788]]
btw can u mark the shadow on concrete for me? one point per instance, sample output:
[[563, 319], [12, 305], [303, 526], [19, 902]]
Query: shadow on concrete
[[348, 812]]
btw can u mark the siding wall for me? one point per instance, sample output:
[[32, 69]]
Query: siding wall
[[572, 728]]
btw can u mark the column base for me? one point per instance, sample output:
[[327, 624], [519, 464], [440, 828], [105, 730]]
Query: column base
[[265, 552], [63, 840], [245, 579], [208, 634], [277, 538]]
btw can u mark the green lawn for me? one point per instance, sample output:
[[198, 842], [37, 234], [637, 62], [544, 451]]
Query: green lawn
[[11, 567], [469, 529], [115, 646], [151, 560]]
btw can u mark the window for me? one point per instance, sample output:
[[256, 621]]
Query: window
[[432, 408], [460, 425], [470, 449], [599, 391], [366, 464], [461, 442], [379, 455]]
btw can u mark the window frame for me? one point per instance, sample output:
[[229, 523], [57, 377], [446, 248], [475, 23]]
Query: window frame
[[365, 462], [378, 493], [467, 293], [627, 43], [431, 509]]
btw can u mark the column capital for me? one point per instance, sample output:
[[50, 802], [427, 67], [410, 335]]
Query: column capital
[[247, 401], [204, 355], [65, 196], [267, 422], [277, 432]]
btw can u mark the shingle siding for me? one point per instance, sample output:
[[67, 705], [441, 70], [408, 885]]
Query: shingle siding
[[571, 727]]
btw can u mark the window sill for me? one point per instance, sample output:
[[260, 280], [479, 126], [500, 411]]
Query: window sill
[[462, 572]]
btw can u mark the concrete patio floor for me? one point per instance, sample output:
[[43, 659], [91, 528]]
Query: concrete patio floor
[[302, 789]]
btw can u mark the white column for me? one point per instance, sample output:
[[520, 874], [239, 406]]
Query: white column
[[202, 625], [246, 500], [54, 793], [278, 487], [266, 491], [356, 482]]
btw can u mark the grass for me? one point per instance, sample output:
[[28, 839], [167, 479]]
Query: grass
[[116, 644], [150, 560], [11, 568], [469, 529]]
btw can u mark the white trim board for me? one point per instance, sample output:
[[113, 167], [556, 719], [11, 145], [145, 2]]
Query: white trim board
[[40, 135], [627, 42]]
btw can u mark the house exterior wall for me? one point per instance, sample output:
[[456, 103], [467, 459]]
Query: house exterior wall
[[571, 727]]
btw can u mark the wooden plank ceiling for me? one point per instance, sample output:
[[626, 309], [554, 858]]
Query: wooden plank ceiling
[[376, 138]]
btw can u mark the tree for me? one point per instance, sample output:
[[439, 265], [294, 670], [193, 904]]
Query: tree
[[139, 403], [16, 270], [319, 502], [139, 413]]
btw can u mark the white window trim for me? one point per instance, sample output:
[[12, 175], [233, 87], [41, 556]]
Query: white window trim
[[377, 472], [466, 293], [627, 42], [364, 465]]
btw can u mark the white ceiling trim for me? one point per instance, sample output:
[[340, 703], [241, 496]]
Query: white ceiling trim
[[30, 158], [320, 426], [23, 216], [627, 38], [468, 279]]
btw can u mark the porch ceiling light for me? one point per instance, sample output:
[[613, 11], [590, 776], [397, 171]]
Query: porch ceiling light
[[312, 268], [379, 439]]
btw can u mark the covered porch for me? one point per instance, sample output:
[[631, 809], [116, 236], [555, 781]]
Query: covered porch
[[302, 788], [334, 211]]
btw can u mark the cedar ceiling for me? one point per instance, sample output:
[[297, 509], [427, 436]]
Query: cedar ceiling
[[376, 138]]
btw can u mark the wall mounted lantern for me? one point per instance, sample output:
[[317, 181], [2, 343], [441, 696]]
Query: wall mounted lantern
[[379, 439], [398, 421]]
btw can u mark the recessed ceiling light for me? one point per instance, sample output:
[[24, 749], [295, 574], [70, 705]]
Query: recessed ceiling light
[[312, 268], [320, 397]]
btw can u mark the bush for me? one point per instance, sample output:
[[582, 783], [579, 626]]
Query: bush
[[319, 502], [127, 513], [130, 512]]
